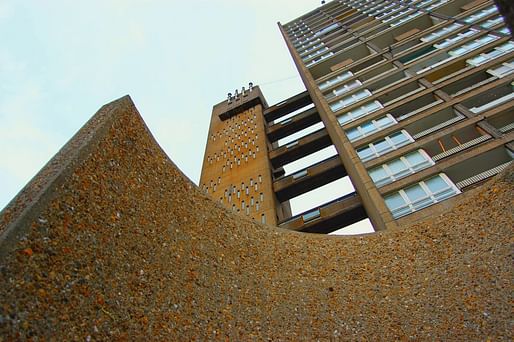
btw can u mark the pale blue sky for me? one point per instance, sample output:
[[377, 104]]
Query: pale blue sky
[[60, 61]]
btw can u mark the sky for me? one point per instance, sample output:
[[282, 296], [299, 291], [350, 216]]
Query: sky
[[60, 61]]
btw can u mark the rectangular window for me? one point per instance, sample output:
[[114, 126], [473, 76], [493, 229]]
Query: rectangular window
[[492, 54], [503, 69], [370, 127], [319, 59], [480, 14], [343, 89], [456, 38], [400, 167], [365, 109], [349, 100], [441, 32], [327, 29], [384, 145], [492, 22], [314, 53], [421, 195], [473, 45], [334, 80]]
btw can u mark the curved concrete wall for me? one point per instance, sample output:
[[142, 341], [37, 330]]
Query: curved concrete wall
[[112, 242]]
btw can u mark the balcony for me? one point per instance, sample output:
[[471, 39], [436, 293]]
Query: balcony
[[465, 85], [323, 66], [456, 142], [412, 108], [399, 93], [389, 36], [434, 122], [474, 171], [491, 98], [503, 121]]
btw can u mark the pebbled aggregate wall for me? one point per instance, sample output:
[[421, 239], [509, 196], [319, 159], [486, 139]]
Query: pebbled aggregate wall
[[111, 242]]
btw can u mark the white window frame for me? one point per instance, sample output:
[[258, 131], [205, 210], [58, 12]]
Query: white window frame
[[429, 199], [410, 168], [344, 88], [350, 100], [359, 112], [391, 146], [375, 123], [496, 52], [335, 80]]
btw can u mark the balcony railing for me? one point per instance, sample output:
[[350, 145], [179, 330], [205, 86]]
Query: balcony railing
[[483, 175], [461, 147]]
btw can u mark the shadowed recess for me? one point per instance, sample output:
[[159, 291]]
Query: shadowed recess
[[110, 241]]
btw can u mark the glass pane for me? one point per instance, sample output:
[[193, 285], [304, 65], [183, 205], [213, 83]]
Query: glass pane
[[353, 133], [367, 128], [382, 146], [396, 166], [357, 113], [415, 192], [398, 138], [394, 201], [415, 158], [365, 152], [436, 184], [383, 121], [377, 174], [344, 118], [372, 106], [361, 94], [336, 106]]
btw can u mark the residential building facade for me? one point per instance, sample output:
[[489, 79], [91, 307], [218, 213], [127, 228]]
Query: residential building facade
[[416, 97]]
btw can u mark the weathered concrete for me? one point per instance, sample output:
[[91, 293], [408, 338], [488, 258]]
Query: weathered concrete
[[112, 242]]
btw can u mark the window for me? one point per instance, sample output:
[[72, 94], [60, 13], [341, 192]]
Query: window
[[406, 18], [441, 32], [344, 89], [454, 39], [349, 100], [385, 145], [503, 69], [400, 167], [327, 29], [315, 53], [319, 59], [367, 108], [420, 195], [492, 54], [311, 48], [480, 14], [336, 79], [474, 44], [492, 22], [370, 127]]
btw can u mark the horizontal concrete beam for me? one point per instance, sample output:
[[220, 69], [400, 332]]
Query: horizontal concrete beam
[[309, 178]]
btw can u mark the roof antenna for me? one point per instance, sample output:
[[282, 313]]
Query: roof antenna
[[322, 2]]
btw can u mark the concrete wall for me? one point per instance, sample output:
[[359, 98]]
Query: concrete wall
[[112, 242]]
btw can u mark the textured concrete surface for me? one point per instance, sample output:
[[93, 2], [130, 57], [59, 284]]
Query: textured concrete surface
[[111, 242]]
